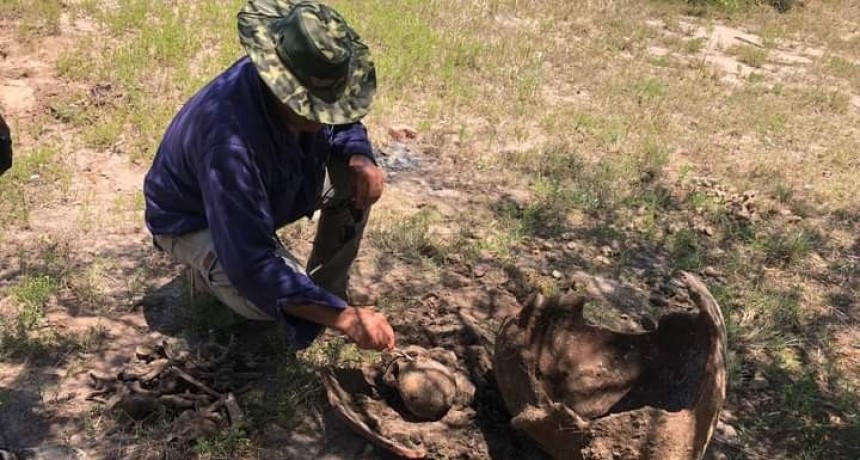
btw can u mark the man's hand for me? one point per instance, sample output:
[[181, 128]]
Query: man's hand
[[367, 327], [366, 180]]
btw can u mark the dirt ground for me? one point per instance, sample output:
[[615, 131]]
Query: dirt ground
[[112, 292]]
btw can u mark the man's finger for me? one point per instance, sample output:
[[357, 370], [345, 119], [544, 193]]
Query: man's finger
[[391, 338]]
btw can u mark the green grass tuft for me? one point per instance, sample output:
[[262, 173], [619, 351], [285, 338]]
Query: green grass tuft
[[410, 237], [752, 56], [786, 248]]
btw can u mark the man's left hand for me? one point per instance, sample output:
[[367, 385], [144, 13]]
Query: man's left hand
[[367, 181]]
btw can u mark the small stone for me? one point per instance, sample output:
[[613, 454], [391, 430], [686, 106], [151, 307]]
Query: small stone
[[182, 356], [556, 274], [403, 133], [567, 236], [481, 269], [454, 280], [759, 381], [155, 336], [606, 250], [728, 432], [144, 351], [99, 379], [76, 439], [546, 245], [602, 260], [711, 271], [705, 229]]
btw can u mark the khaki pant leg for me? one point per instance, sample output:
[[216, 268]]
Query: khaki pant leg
[[339, 233], [197, 252]]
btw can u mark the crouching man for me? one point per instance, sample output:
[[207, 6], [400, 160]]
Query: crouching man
[[269, 141]]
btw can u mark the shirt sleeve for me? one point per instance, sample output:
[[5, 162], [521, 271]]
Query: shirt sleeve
[[5, 146], [240, 220], [351, 139]]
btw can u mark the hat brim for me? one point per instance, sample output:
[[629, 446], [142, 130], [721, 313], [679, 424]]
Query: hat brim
[[259, 43]]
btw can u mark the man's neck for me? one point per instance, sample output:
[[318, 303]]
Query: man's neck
[[276, 109]]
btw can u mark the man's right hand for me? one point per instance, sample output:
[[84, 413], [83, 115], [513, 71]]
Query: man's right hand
[[367, 327]]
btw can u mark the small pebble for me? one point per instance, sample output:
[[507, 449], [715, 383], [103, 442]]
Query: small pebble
[[556, 274], [711, 271], [480, 270], [729, 432], [759, 381]]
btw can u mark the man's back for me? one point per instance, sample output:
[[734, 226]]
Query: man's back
[[229, 117]]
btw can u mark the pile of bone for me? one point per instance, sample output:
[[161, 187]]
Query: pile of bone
[[198, 389]]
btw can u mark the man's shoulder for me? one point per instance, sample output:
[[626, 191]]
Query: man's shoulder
[[226, 92], [212, 114]]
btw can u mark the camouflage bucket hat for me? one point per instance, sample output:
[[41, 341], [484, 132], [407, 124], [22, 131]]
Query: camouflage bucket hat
[[310, 57]]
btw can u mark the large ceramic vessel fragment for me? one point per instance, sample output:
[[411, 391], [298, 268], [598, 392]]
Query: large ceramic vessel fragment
[[586, 390]]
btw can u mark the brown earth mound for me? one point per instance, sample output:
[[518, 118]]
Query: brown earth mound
[[590, 391]]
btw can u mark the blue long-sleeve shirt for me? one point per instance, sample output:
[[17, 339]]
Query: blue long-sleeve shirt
[[227, 163]]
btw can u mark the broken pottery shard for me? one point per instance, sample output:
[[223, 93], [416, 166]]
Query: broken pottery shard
[[374, 402], [101, 379], [175, 402], [156, 368], [402, 133], [585, 392], [145, 352]]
